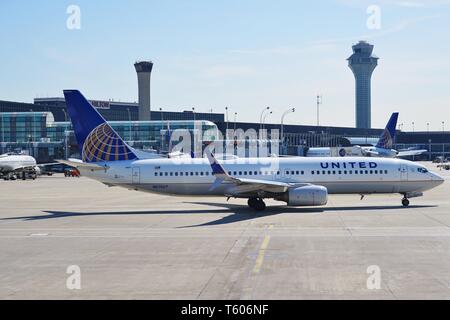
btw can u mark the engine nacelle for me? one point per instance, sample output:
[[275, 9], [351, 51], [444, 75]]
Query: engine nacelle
[[306, 196]]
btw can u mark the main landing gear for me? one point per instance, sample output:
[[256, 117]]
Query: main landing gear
[[256, 204], [405, 202]]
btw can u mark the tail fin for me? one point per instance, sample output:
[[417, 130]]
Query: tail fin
[[387, 138], [98, 142]]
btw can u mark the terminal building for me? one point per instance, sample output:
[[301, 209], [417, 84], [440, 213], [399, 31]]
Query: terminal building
[[43, 128], [38, 134]]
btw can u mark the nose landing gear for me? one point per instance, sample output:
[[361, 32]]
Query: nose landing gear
[[256, 204]]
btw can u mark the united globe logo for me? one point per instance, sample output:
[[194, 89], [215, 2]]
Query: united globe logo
[[103, 144], [386, 140]]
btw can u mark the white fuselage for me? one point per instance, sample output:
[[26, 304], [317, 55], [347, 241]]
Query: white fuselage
[[10, 163], [359, 175]]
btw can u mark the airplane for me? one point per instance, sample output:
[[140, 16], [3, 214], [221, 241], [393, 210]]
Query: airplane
[[297, 181], [384, 147], [13, 165]]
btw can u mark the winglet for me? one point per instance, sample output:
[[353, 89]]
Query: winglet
[[217, 170], [216, 167]]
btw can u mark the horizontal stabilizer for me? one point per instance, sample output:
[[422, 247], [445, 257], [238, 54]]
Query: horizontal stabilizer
[[83, 165]]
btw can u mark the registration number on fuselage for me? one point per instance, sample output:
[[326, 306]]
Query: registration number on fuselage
[[160, 186]]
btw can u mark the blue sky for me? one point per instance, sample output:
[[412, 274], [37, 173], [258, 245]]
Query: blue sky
[[242, 54]]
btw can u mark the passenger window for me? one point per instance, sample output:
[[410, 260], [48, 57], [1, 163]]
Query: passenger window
[[229, 173], [339, 172], [240, 173], [385, 171], [166, 174], [207, 173], [334, 172], [156, 174], [245, 173], [292, 172], [196, 173], [329, 172], [278, 172], [345, 172], [202, 173], [250, 173], [181, 173], [256, 173], [171, 174], [192, 173], [303, 172], [176, 174], [356, 171], [234, 173], [297, 172], [312, 172], [324, 172], [361, 172], [376, 171], [318, 172], [160, 174]]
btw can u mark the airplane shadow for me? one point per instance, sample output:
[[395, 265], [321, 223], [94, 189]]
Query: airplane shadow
[[238, 212], [242, 213], [64, 214]]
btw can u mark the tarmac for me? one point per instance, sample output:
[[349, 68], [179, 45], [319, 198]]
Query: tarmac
[[121, 244]]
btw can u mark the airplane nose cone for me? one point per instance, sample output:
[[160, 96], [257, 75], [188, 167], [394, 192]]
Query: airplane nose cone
[[437, 178]]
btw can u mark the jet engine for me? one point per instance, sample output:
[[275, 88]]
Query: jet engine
[[305, 196]]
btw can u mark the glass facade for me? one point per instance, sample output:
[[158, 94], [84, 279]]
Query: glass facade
[[37, 134]]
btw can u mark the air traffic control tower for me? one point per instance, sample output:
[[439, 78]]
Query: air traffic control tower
[[144, 71], [362, 63]]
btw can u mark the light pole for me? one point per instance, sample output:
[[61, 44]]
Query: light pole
[[428, 127], [429, 147], [235, 117], [129, 123], [161, 112], [265, 116], [413, 126], [292, 110], [319, 102], [226, 116], [66, 144], [443, 143], [193, 110], [261, 116]]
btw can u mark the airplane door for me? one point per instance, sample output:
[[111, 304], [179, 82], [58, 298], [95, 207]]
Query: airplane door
[[136, 175], [403, 172]]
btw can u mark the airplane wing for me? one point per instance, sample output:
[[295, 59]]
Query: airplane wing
[[83, 165], [407, 153], [246, 186]]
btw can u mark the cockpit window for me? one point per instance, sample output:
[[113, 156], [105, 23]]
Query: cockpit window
[[422, 170]]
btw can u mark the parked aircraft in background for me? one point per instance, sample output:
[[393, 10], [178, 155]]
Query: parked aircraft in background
[[297, 181], [14, 165], [384, 147]]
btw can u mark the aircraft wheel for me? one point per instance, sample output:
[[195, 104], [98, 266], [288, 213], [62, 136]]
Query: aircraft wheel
[[405, 202], [252, 202], [260, 205]]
